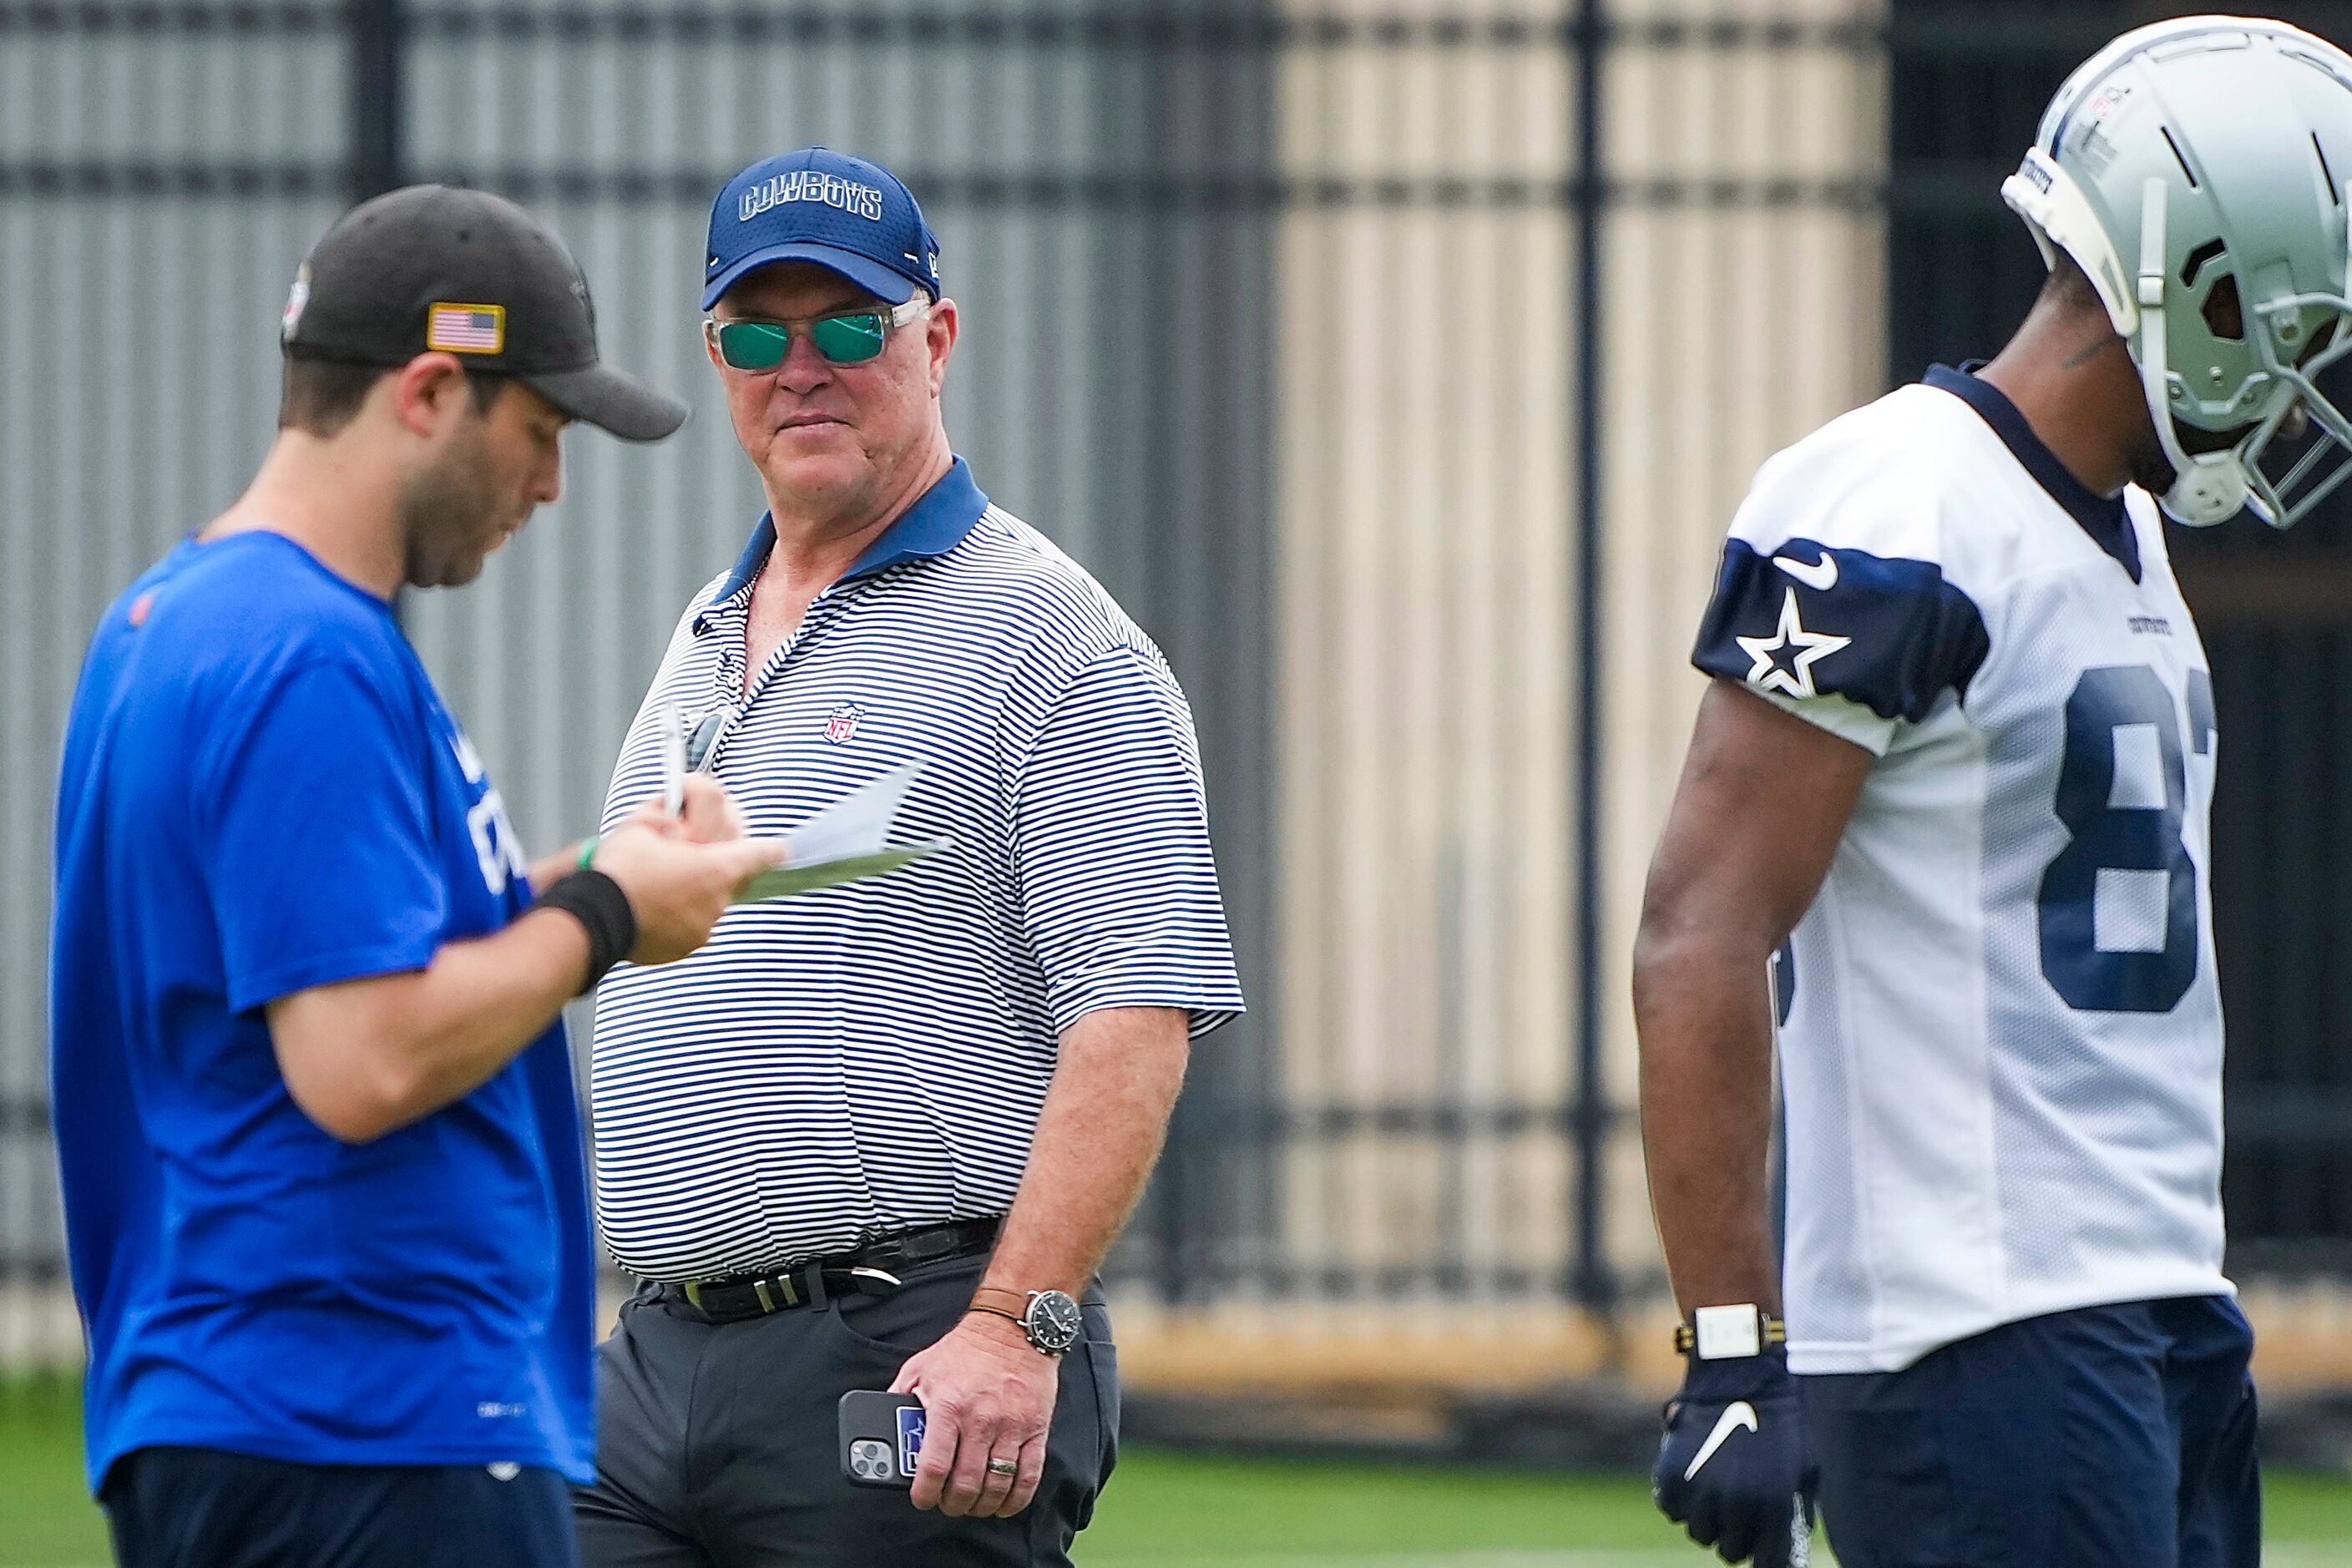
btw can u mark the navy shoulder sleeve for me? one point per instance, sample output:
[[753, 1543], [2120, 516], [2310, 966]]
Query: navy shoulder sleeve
[[1809, 620]]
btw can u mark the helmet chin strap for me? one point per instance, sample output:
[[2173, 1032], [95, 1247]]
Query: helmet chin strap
[[2209, 488]]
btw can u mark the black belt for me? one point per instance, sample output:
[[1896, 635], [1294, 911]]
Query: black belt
[[868, 1271]]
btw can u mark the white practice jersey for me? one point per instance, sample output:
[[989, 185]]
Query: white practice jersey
[[2001, 1041]]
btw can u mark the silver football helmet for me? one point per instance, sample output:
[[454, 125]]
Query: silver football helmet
[[2199, 171]]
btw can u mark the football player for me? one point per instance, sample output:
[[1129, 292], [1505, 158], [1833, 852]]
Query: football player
[[1958, 755]]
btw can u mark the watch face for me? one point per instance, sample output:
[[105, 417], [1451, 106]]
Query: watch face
[[1053, 1322]]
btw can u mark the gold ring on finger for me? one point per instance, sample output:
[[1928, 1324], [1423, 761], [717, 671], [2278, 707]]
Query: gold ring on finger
[[1002, 1467]]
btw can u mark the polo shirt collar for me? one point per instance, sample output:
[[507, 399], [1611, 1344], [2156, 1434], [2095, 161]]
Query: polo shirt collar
[[2104, 518], [935, 524]]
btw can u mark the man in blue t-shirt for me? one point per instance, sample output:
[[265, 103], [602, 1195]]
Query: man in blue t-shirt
[[321, 1156]]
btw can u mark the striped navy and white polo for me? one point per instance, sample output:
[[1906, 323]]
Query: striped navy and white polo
[[855, 1061]]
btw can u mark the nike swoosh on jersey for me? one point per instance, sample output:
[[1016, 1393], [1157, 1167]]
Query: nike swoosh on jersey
[[1736, 1415], [1821, 576]]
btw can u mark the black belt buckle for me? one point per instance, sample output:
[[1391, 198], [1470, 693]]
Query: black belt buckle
[[811, 1285], [865, 1272]]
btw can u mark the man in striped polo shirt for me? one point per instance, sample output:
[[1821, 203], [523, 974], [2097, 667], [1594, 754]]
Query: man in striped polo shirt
[[881, 1135]]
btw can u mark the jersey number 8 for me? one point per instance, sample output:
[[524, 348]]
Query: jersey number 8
[[2106, 837]]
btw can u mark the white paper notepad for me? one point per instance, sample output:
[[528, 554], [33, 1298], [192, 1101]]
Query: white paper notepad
[[848, 840]]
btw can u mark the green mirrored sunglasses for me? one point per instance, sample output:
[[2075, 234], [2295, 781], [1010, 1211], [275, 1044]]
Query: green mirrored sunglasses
[[845, 337]]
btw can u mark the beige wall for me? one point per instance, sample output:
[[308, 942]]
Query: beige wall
[[1732, 332], [1424, 560], [1426, 550]]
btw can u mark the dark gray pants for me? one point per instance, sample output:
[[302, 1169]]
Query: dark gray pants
[[717, 1446]]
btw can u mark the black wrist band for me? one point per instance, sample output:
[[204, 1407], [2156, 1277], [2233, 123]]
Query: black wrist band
[[597, 901]]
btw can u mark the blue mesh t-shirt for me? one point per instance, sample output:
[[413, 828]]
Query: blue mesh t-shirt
[[261, 793]]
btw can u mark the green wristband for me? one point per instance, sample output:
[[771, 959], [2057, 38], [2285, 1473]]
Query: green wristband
[[588, 852]]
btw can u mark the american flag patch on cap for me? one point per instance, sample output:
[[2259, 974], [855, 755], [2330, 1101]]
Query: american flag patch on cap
[[467, 328]]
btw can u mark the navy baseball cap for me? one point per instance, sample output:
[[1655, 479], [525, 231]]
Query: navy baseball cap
[[827, 208]]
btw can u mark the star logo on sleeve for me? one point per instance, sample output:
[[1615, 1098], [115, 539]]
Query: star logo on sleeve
[[1784, 661]]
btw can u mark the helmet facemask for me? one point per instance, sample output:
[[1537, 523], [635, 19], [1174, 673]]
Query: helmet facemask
[[2255, 379], [2288, 476]]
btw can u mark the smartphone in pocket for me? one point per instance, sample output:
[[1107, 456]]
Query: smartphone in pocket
[[881, 1437]]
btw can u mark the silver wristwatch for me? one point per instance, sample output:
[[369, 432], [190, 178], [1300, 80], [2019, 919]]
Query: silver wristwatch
[[1050, 1317]]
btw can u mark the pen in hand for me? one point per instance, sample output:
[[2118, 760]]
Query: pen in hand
[[673, 761]]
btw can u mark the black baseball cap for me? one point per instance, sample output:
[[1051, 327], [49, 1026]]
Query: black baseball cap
[[436, 268]]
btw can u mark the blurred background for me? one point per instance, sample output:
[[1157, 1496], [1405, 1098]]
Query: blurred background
[[1399, 364]]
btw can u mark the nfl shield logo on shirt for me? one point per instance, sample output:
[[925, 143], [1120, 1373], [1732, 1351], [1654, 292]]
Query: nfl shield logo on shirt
[[841, 724]]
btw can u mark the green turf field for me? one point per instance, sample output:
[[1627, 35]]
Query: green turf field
[[1177, 1511], [1181, 1510]]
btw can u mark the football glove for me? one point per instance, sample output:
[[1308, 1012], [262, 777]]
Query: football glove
[[1733, 1468]]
